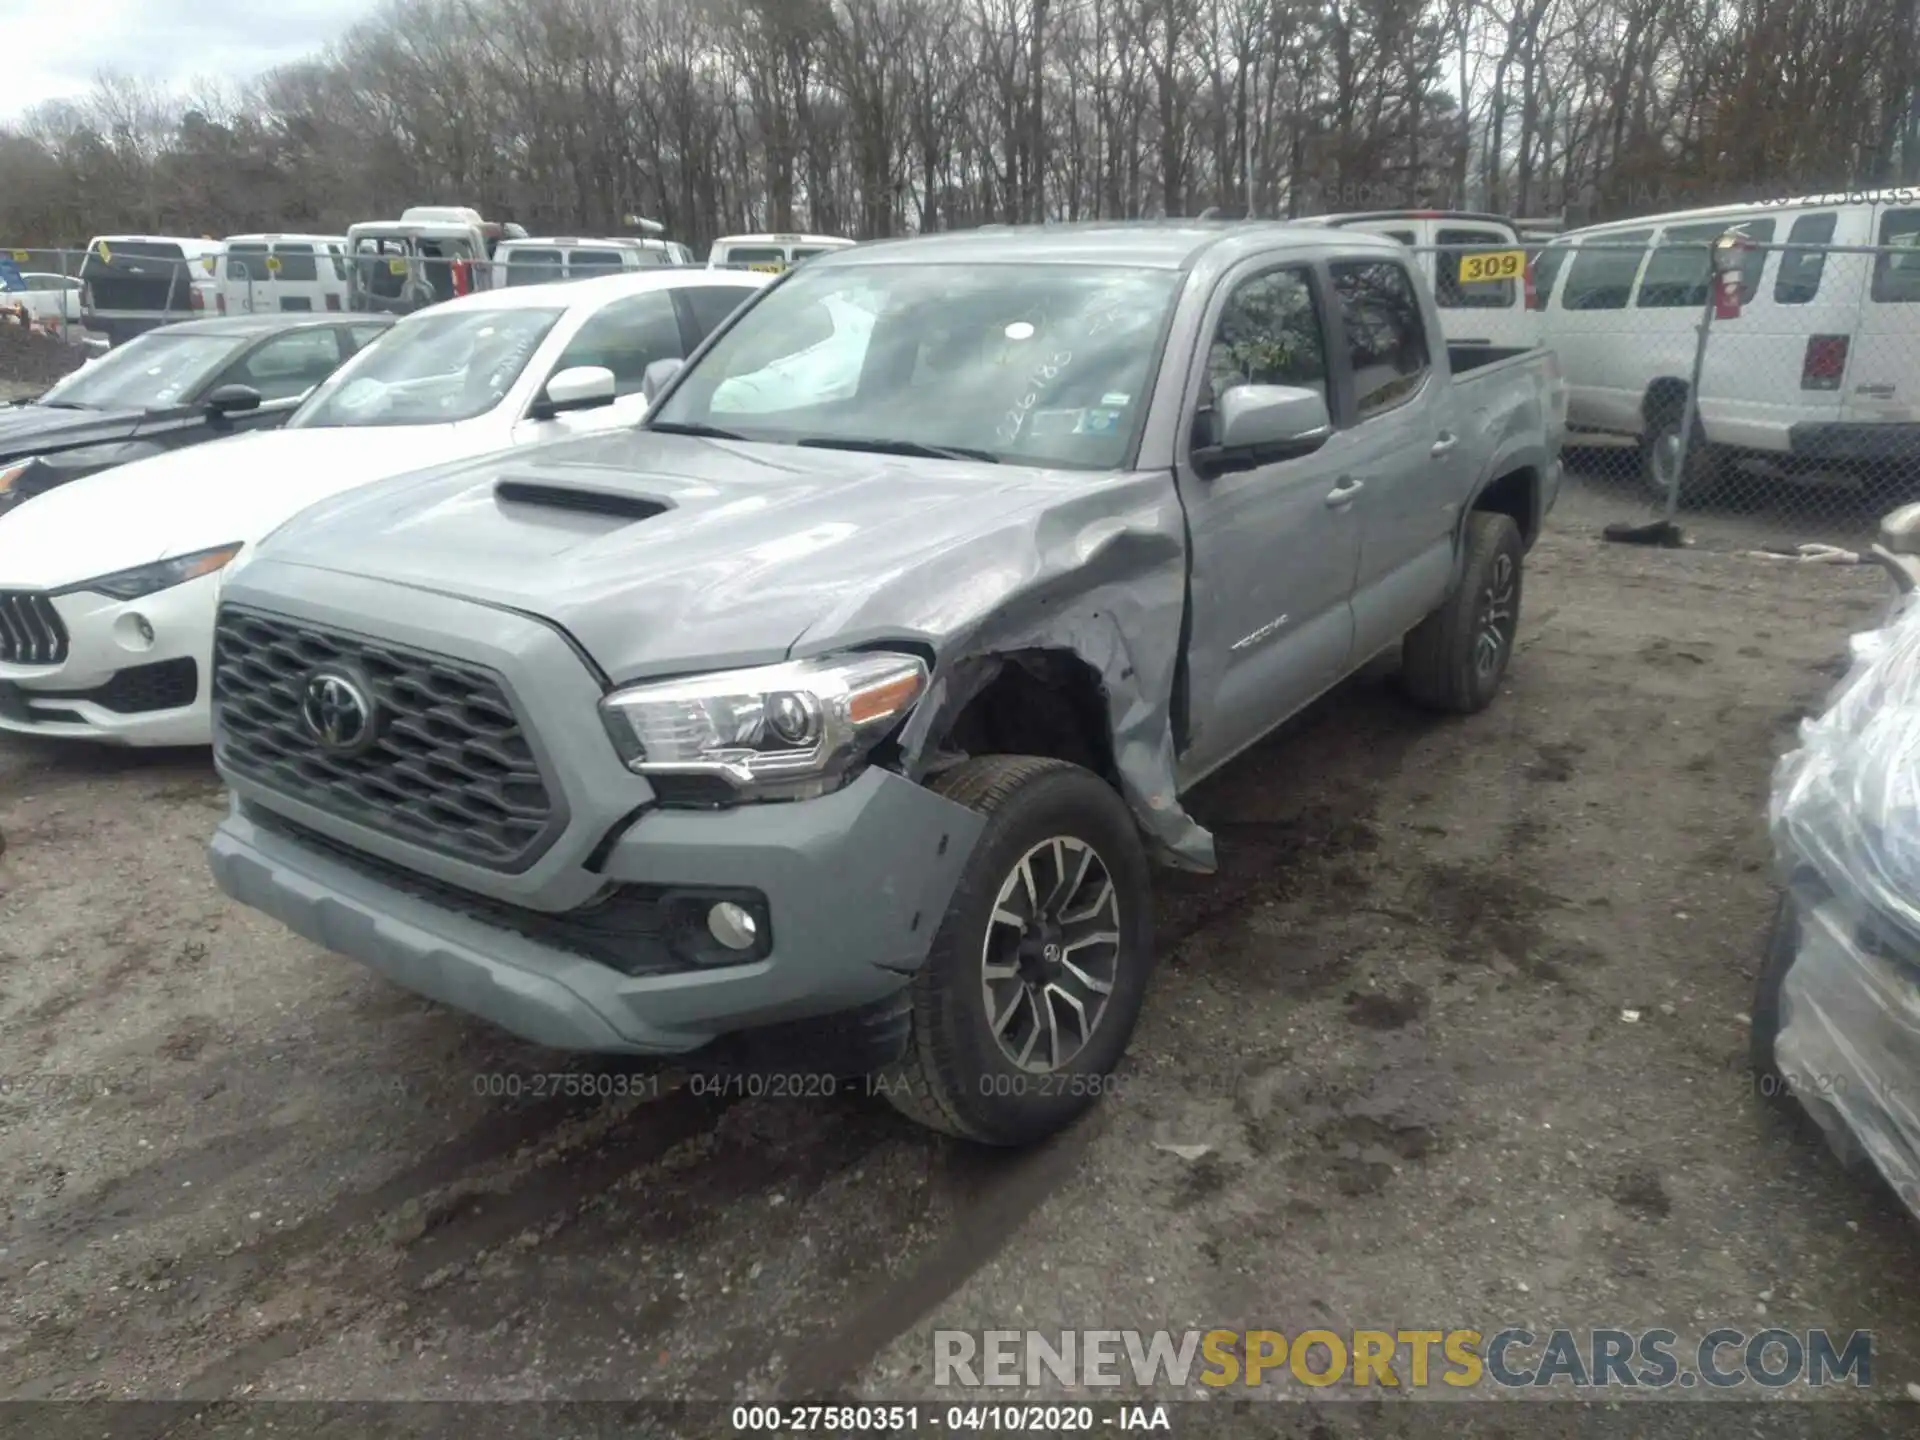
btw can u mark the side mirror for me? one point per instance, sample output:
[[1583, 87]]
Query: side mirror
[[658, 376], [584, 387], [1259, 424], [233, 400]]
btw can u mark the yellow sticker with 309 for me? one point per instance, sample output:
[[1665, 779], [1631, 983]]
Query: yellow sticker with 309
[[1492, 265]]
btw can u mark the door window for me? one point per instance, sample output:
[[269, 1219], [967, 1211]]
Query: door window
[[583, 263], [1546, 269], [1601, 277], [712, 304], [1680, 270], [1269, 334], [1896, 276], [626, 337], [1797, 281], [296, 263], [1386, 334], [533, 267], [287, 365]]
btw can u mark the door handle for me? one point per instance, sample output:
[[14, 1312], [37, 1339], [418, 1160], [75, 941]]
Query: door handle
[[1444, 445], [1343, 493]]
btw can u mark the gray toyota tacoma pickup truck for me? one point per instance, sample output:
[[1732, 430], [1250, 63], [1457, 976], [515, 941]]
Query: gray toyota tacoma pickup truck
[[832, 719]]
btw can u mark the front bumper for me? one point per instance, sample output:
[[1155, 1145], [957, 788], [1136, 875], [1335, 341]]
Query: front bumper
[[855, 884], [112, 685]]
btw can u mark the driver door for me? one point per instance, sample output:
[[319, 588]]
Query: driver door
[[1274, 547], [625, 337]]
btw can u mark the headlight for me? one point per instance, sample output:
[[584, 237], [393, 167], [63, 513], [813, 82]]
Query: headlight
[[162, 574], [776, 732]]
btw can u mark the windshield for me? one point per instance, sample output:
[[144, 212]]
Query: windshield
[[1037, 364], [149, 372], [434, 369]]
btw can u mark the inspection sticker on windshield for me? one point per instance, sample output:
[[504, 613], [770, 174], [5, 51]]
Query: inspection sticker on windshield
[[1116, 401]]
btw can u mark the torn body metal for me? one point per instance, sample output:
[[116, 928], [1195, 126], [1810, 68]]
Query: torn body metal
[[1103, 578]]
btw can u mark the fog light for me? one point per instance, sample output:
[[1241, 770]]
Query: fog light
[[134, 631], [733, 926]]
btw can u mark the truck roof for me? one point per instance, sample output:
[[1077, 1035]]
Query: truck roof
[[1147, 244]]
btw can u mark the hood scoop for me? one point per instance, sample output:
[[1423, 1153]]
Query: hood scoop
[[579, 500]]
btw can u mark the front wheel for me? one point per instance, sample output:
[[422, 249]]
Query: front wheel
[[1036, 977]]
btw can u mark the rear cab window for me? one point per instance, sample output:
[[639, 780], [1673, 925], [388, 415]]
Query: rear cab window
[[1386, 335], [1797, 282], [1450, 292], [150, 275], [1601, 277], [1896, 270], [755, 257]]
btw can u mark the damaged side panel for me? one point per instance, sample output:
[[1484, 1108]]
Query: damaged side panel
[[1098, 578]]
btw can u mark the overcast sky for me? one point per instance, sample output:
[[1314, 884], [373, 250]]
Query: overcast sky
[[54, 50]]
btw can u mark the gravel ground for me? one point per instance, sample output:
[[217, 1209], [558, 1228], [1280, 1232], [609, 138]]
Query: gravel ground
[[1396, 1021]]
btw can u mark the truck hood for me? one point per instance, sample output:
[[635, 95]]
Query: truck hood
[[663, 553], [235, 489], [33, 429]]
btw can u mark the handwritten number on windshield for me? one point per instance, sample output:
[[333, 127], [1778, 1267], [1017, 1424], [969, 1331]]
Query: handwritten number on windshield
[[1016, 418]]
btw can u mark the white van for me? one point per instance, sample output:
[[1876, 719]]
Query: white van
[[769, 254], [130, 284], [543, 261], [1490, 312], [266, 274], [1818, 371]]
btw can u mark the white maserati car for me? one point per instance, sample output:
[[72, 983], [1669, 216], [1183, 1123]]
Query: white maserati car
[[108, 584]]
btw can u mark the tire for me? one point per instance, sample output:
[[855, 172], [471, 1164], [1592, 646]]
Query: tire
[[956, 1075], [1705, 468], [1783, 945], [1443, 664]]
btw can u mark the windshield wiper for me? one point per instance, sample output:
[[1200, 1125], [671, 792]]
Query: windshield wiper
[[899, 447], [705, 432], [62, 405]]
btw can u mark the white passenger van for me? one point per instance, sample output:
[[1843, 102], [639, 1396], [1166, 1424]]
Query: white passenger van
[[1492, 312], [1821, 369], [430, 254], [543, 261], [769, 254], [269, 274], [130, 284]]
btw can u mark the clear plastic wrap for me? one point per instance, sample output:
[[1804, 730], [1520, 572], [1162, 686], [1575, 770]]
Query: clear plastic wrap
[[1845, 818]]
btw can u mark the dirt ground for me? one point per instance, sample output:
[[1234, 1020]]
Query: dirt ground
[[234, 1165], [29, 363]]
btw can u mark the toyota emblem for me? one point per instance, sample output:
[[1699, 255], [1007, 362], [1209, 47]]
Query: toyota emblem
[[338, 712]]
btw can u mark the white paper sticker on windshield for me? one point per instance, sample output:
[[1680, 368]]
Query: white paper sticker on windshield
[[1113, 398], [1020, 330]]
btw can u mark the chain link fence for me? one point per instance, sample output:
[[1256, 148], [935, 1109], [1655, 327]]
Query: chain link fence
[[1768, 398]]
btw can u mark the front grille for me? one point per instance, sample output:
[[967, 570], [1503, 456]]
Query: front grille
[[31, 630], [452, 770]]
